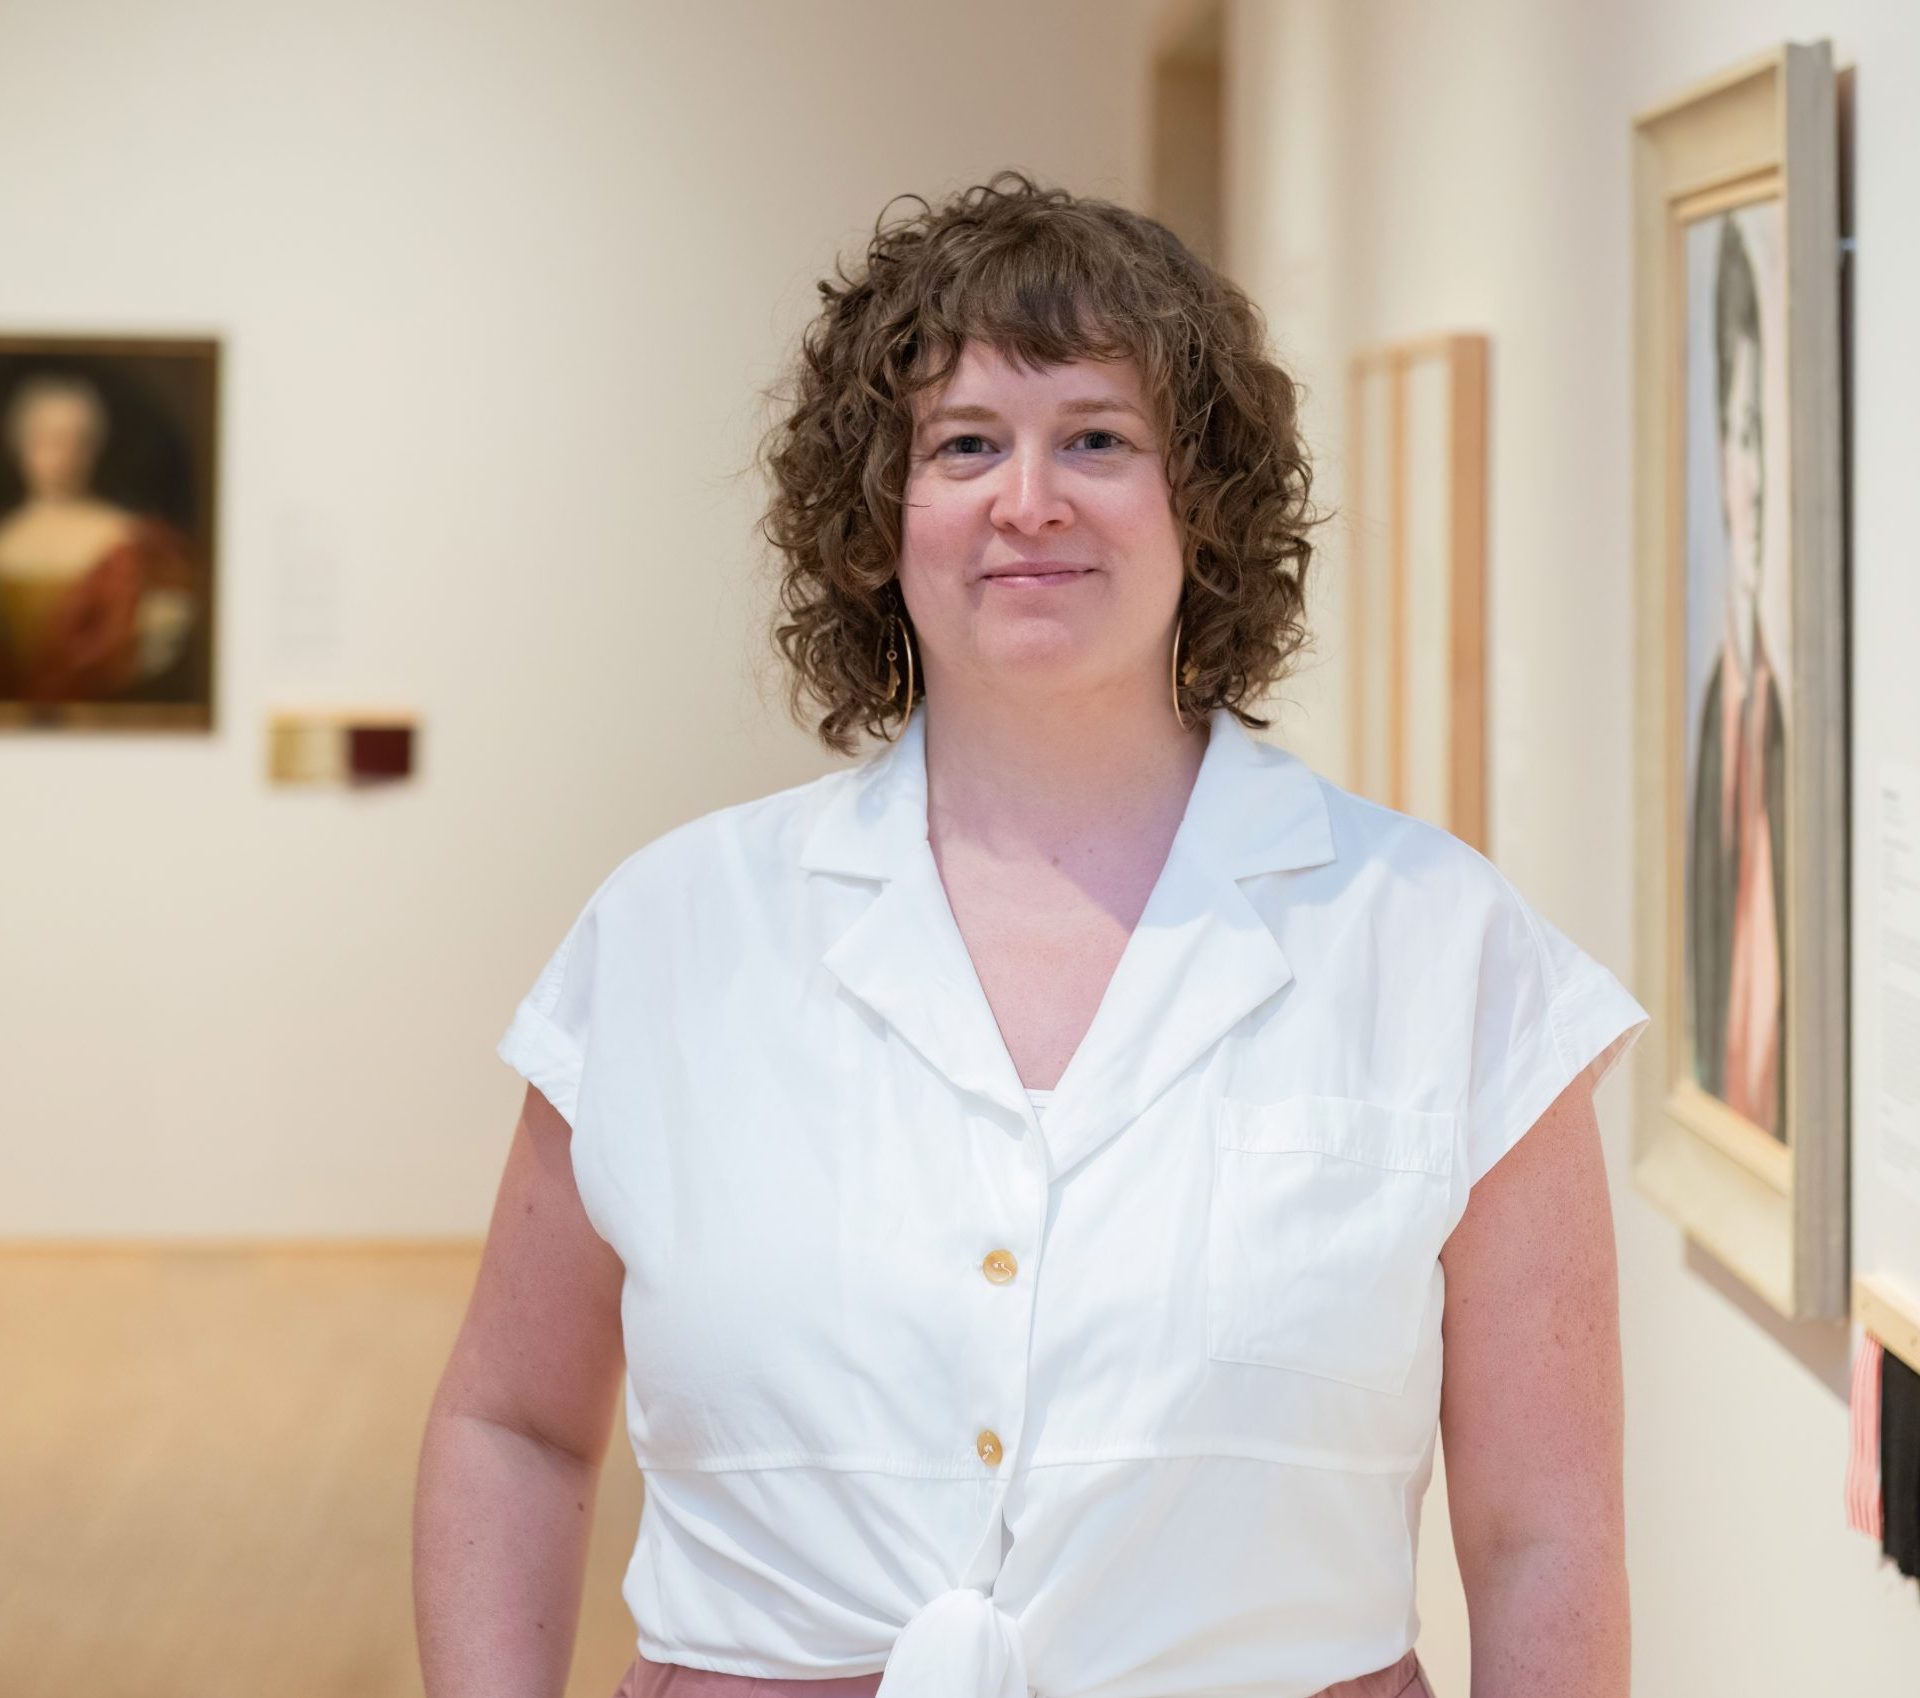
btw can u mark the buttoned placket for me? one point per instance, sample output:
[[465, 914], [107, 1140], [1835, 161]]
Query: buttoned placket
[[1199, 959], [1008, 1274]]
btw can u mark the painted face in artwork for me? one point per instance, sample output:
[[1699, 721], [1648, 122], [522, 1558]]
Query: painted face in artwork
[[55, 438]]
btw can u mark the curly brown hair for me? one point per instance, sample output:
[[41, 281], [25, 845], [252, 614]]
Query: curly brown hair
[[1043, 277]]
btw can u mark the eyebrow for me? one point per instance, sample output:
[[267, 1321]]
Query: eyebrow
[[1084, 404]]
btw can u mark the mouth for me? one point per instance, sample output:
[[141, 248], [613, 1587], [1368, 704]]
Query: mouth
[[1039, 574]]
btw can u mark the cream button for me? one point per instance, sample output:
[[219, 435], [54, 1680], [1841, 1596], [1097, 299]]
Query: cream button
[[988, 1445], [999, 1266]]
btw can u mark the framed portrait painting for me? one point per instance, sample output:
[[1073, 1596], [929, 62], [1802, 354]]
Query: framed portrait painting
[[107, 544], [1741, 749]]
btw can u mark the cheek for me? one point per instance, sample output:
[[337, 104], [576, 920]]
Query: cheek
[[1144, 516], [937, 524]]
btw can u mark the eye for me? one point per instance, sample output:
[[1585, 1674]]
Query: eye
[[973, 437]]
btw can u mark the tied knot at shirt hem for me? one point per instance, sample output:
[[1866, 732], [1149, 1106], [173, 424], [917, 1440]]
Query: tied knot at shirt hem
[[960, 1644]]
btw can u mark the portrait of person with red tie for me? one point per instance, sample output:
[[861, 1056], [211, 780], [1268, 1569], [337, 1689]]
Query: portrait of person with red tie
[[1736, 880]]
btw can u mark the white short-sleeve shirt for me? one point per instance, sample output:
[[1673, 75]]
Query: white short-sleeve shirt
[[1133, 1397]]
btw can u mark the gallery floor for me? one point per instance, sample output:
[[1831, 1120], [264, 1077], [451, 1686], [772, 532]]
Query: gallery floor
[[206, 1468]]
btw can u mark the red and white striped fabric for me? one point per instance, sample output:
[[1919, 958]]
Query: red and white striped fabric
[[1863, 1448]]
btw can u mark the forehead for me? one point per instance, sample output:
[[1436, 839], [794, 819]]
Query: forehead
[[985, 377], [51, 403]]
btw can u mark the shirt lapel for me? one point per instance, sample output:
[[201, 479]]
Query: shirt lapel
[[903, 956], [1199, 960]]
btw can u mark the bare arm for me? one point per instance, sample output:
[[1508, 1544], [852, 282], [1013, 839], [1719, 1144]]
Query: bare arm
[[516, 1436], [1531, 1416]]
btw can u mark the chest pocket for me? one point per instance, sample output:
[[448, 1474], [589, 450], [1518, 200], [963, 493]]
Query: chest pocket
[[1326, 1218]]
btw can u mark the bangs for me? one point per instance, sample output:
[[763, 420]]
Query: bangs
[[1038, 304]]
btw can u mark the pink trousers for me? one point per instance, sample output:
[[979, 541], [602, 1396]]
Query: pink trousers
[[1404, 1679]]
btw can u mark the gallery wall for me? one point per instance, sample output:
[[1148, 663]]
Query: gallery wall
[[1398, 168], [497, 286]]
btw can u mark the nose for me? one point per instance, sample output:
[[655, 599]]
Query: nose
[[1027, 492]]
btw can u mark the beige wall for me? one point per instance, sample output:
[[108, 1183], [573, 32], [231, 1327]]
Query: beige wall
[[1402, 167], [497, 284]]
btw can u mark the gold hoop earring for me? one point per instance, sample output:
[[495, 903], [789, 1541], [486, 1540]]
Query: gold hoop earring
[[893, 672], [1174, 679]]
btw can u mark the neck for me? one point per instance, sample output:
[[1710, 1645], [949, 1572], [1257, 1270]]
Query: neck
[[1044, 778]]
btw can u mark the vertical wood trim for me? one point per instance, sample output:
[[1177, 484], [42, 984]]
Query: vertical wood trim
[[1359, 629], [1467, 734], [1397, 585]]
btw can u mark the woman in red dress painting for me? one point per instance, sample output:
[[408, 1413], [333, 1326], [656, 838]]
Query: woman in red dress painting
[[94, 599]]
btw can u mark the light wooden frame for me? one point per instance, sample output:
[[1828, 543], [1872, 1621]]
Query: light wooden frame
[[1774, 1212], [1462, 360]]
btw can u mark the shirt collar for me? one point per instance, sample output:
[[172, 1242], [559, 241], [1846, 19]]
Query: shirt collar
[[1254, 807], [1200, 959]]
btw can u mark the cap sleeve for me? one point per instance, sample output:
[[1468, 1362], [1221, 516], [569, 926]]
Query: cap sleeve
[[1545, 1011], [546, 1040]]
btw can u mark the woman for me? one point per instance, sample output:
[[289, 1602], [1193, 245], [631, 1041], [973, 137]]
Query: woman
[[96, 601], [1030, 1171]]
